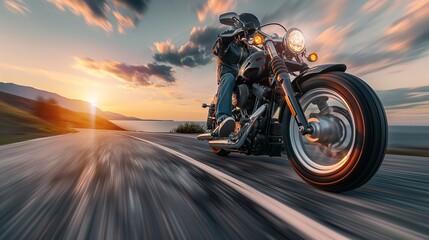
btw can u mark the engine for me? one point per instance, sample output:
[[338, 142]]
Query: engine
[[244, 96]]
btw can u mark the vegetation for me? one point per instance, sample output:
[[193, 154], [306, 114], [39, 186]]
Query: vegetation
[[48, 110], [22, 119], [189, 127], [17, 125]]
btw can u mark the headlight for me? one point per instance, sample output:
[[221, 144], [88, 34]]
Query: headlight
[[294, 40]]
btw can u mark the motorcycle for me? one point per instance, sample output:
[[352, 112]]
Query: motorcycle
[[330, 124]]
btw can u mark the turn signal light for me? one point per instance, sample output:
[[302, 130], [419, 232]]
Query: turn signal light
[[258, 39], [312, 57]]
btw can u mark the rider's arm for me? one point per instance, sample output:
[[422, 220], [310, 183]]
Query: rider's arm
[[221, 45]]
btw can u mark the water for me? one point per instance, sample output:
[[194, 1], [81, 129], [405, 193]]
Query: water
[[410, 137], [149, 126]]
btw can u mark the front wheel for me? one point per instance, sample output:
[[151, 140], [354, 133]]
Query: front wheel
[[350, 132]]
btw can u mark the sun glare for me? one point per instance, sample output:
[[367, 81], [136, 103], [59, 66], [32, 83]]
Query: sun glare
[[93, 101]]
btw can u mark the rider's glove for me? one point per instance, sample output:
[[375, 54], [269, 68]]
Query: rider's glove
[[226, 40]]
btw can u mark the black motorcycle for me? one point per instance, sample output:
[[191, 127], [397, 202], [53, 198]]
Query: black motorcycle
[[330, 124]]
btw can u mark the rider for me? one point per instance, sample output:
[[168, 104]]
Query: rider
[[230, 54]]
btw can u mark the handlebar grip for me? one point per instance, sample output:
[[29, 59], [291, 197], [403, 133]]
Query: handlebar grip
[[231, 33]]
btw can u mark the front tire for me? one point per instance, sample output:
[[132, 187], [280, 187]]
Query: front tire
[[351, 146]]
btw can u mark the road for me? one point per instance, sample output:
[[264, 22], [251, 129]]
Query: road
[[134, 185]]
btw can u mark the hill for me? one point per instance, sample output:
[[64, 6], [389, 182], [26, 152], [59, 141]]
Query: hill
[[28, 126], [19, 121], [71, 104]]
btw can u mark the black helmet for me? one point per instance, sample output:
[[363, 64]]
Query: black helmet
[[249, 18]]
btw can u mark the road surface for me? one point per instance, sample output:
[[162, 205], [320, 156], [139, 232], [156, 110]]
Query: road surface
[[134, 185]]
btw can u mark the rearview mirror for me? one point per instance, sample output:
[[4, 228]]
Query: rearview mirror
[[229, 18]]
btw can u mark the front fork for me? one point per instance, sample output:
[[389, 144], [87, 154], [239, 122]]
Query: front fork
[[280, 71]]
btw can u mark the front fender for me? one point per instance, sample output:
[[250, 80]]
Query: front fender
[[317, 70]]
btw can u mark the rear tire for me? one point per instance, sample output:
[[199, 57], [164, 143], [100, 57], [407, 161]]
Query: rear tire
[[220, 152], [366, 145]]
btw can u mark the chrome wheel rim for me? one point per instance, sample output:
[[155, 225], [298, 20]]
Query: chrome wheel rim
[[326, 154]]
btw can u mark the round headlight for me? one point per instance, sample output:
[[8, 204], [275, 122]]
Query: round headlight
[[295, 41]]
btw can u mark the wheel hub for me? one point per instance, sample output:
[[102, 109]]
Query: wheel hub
[[326, 130], [331, 143]]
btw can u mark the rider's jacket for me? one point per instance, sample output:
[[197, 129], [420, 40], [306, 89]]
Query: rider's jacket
[[230, 55]]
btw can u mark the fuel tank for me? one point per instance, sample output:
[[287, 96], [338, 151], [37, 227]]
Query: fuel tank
[[254, 69]]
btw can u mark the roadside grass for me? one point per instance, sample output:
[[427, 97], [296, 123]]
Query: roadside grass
[[189, 127], [409, 152]]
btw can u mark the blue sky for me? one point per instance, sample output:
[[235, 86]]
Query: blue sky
[[151, 59]]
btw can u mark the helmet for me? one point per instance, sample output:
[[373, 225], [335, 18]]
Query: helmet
[[249, 18]]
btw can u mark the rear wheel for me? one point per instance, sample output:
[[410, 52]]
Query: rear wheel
[[220, 151], [350, 133]]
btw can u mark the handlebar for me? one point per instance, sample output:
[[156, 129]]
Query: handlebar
[[246, 38]]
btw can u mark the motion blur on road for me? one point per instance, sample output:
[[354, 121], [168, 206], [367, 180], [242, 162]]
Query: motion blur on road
[[130, 185]]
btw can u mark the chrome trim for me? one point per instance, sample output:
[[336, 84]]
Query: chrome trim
[[237, 140]]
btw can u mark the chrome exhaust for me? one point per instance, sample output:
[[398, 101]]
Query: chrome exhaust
[[205, 136], [237, 140]]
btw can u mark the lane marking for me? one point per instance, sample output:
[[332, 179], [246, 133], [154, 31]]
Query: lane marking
[[305, 225]]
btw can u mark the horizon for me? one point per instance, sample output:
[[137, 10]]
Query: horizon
[[131, 60], [197, 120]]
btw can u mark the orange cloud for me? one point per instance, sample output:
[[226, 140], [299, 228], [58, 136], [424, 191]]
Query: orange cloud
[[83, 9], [136, 75], [124, 22], [100, 13], [215, 7], [373, 6], [330, 41], [16, 6], [165, 47]]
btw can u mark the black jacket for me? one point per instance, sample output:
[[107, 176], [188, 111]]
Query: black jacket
[[230, 55]]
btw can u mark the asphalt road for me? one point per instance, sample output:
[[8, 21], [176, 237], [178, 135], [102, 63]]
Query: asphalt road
[[130, 185]]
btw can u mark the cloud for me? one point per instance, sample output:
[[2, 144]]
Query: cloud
[[135, 75], [405, 40], [215, 8], [99, 13], [293, 9], [405, 98], [355, 32], [124, 22], [373, 6], [16, 6], [331, 38], [195, 52]]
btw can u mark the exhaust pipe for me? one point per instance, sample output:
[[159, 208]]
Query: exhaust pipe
[[238, 139], [205, 136]]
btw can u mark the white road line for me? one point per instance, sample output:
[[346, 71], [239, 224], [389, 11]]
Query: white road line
[[305, 225]]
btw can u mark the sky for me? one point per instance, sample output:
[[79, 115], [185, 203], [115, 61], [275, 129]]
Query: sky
[[152, 58]]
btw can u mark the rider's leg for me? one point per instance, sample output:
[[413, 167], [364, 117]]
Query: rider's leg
[[224, 97], [226, 123]]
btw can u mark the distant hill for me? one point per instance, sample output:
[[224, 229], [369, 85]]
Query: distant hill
[[19, 125], [117, 116], [71, 118], [71, 104]]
